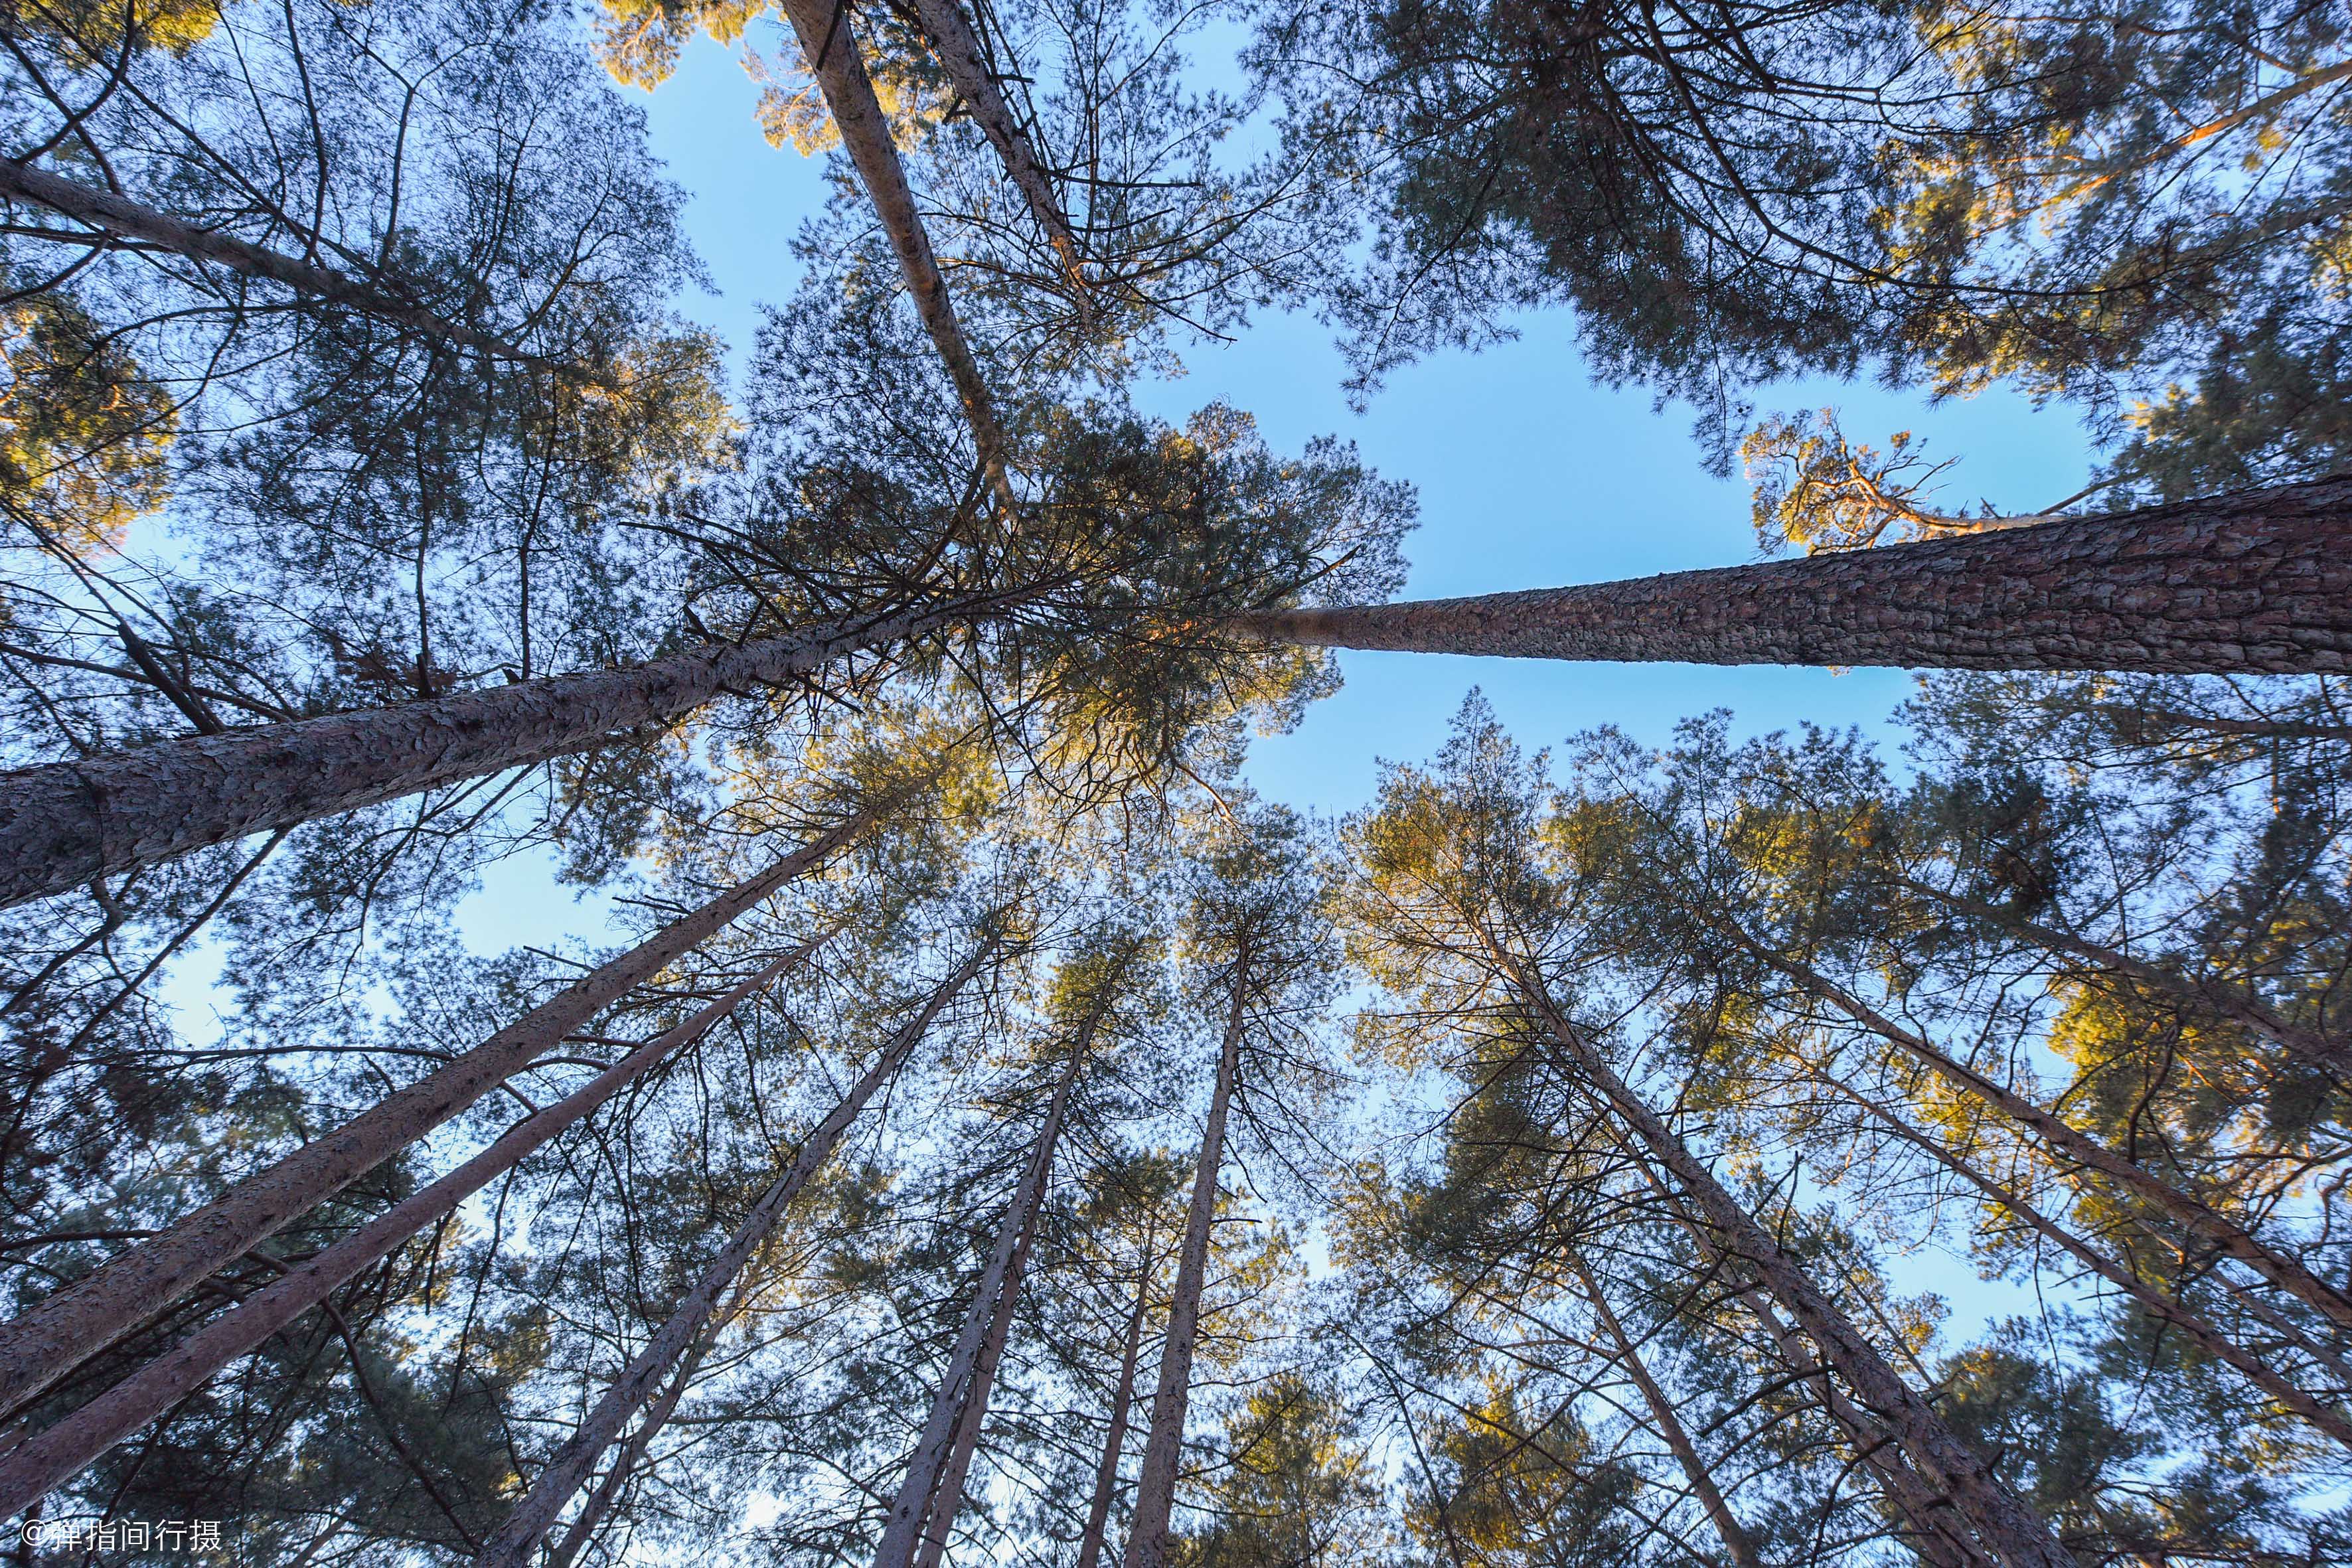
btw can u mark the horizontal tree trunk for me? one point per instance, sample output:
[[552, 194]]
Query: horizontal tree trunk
[[519, 1537], [69, 1328], [129, 220], [2010, 1530], [58, 1454], [2250, 582], [829, 48], [63, 825]]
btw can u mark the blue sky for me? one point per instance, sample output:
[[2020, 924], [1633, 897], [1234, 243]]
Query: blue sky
[[1528, 474]]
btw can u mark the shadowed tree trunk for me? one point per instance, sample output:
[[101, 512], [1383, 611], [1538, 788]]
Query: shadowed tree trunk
[[829, 47], [128, 220], [76, 1323], [2012, 1531], [519, 1537], [1163, 1448], [1122, 1399], [1669, 1425], [964, 58], [912, 1507], [2155, 1302], [2192, 1214], [64, 824], [58, 1453], [2249, 582]]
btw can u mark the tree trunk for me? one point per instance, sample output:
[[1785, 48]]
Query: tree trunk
[[64, 824], [1090, 1541], [58, 1454], [128, 220], [1163, 1448], [947, 1496], [901, 1533], [2010, 1530], [76, 1323], [2236, 1003], [829, 46], [1727, 1525], [2156, 1303], [519, 1537], [600, 1502], [2202, 1220], [2252, 580]]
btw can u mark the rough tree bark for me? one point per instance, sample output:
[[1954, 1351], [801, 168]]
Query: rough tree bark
[[901, 1534], [76, 1323], [1122, 1399], [58, 1453], [2236, 1003], [965, 59], [2155, 1302], [1163, 1448], [63, 825], [1735, 1536], [2252, 580], [129, 220], [829, 46], [517, 1539], [2225, 1234], [2012, 1531]]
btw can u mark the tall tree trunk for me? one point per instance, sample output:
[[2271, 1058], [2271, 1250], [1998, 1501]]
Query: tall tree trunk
[[519, 1537], [2252, 580], [76, 1323], [829, 47], [947, 1496], [1735, 1541], [1122, 1398], [128, 220], [2155, 1302], [2008, 1529], [901, 1534], [582, 1530], [1163, 1448], [58, 1453], [1908, 1496], [965, 59], [63, 825], [2237, 1003], [2192, 1214]]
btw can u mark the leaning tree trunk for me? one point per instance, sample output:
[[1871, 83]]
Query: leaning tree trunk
[[1122, 1398], [1735, 1536], [947, 1496], [2156, 1303], [78, 1322], [63, 825], [58, 1453], [965, 59], [517, 1539], [2009, 1530], [2252, 580], [1163, 1448], [829, 47], [2236, 1003], [143, 226], [2184, 1209], [902, 1532]]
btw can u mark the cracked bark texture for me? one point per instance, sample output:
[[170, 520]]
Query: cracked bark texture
[[127, 219], [69, 1327], [518, 1538], [829, 47], [2252, 581], [58, 1453], [63, 825]]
